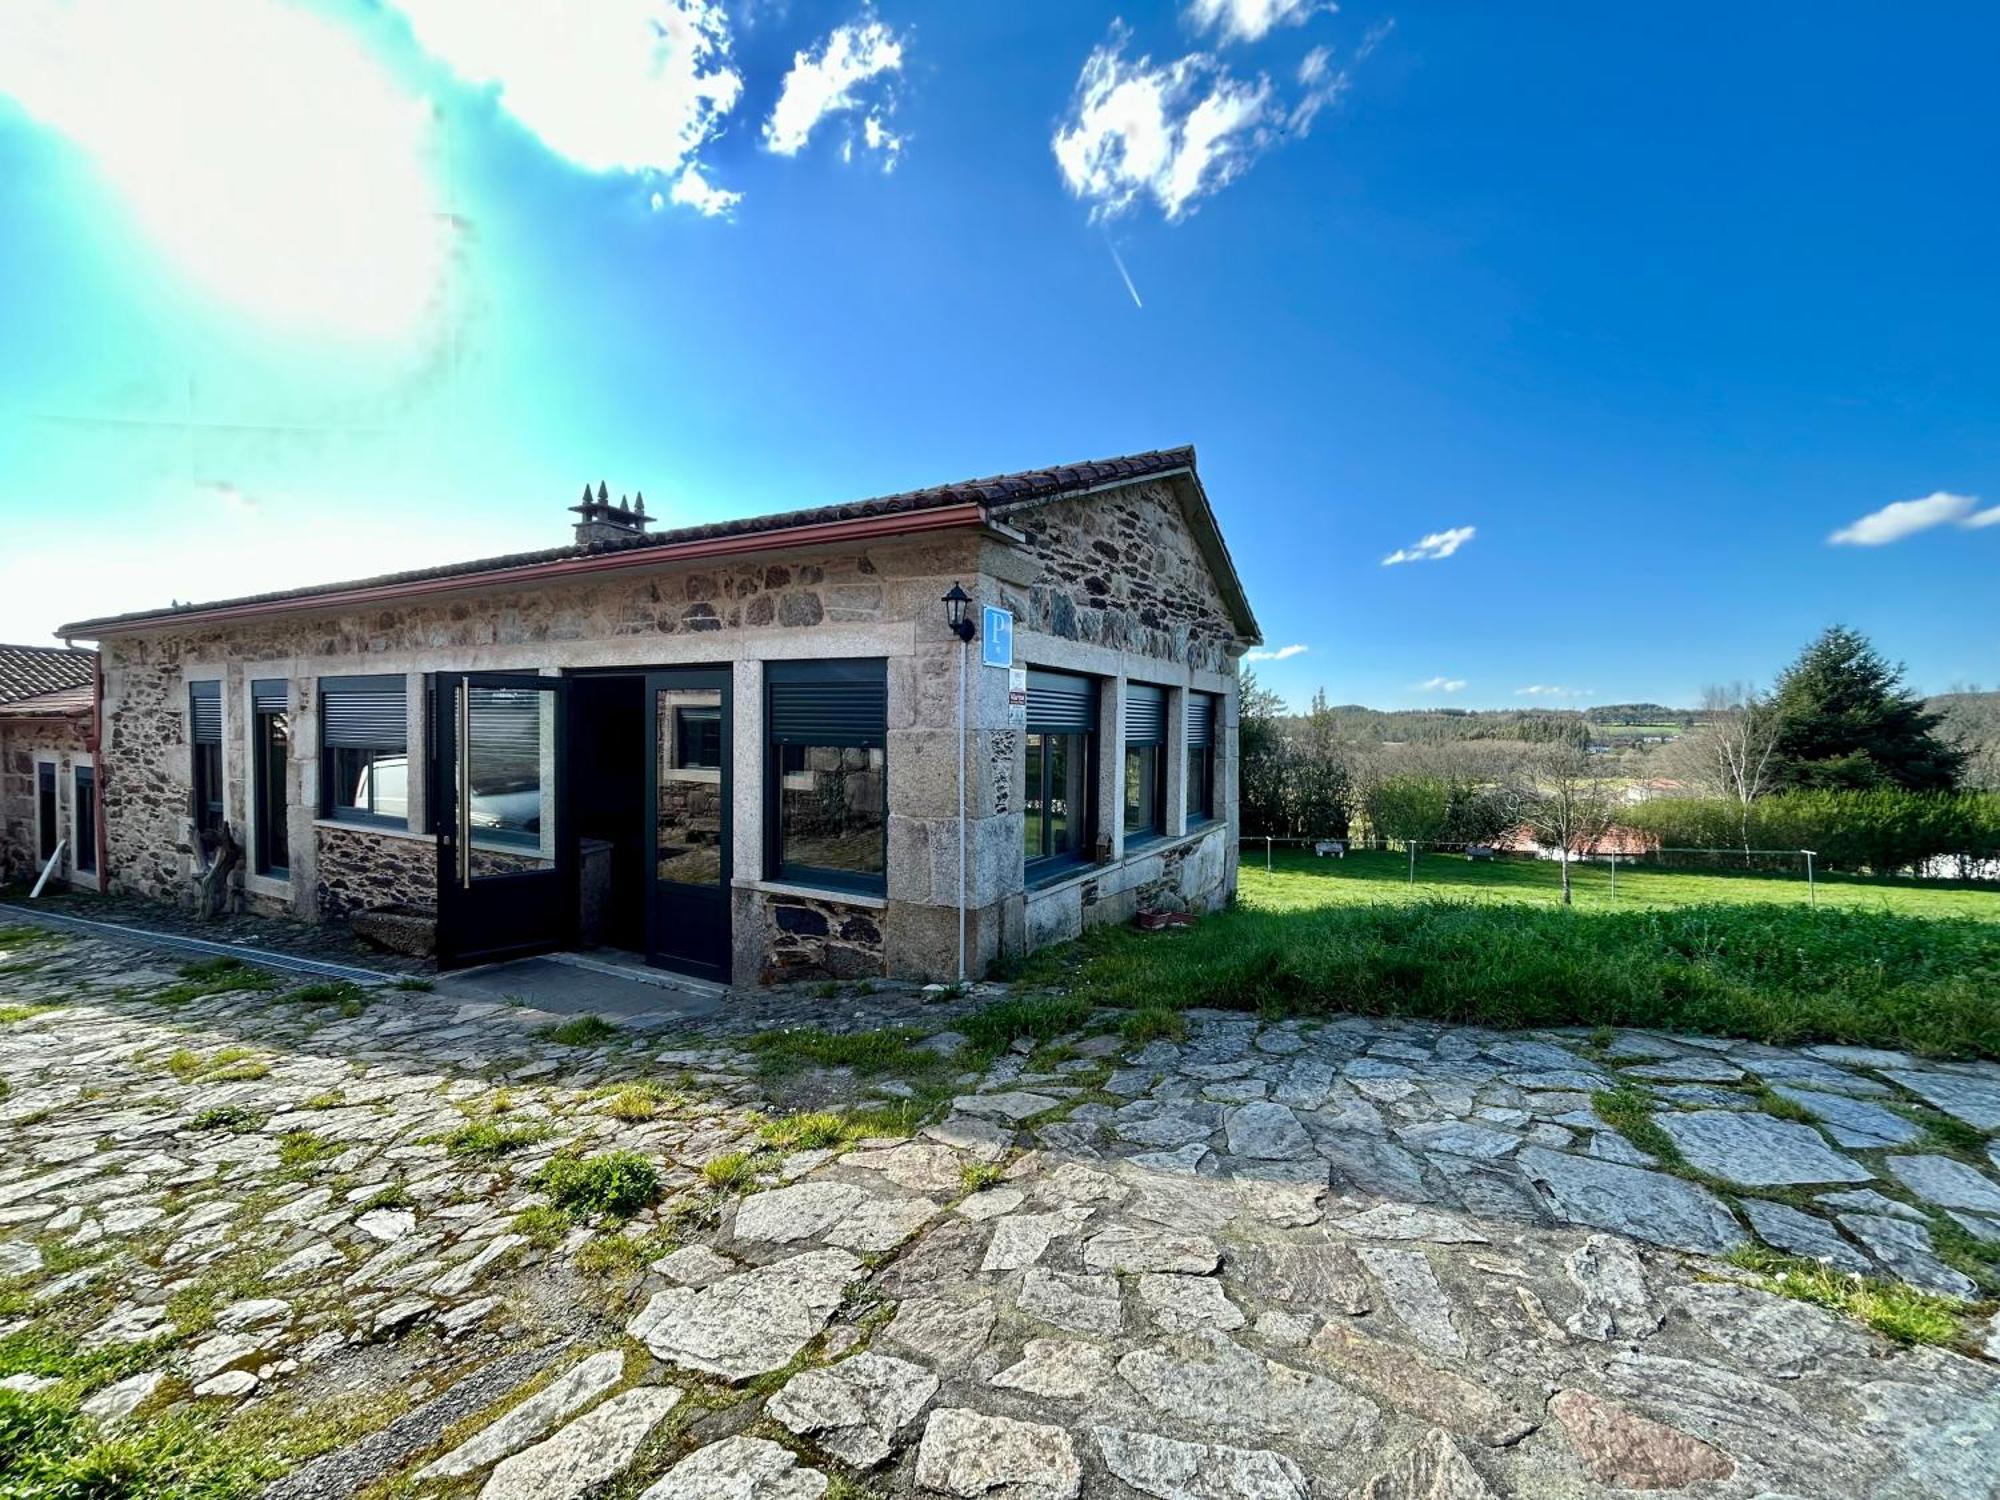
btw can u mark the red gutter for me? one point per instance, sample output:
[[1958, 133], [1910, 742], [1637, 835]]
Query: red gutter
[[866, 528], [98, 769]]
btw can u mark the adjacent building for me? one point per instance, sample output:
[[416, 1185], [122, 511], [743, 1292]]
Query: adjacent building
[[48, 772], [737, 750]]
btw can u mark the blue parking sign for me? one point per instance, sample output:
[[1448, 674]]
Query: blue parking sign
[[996, 636]]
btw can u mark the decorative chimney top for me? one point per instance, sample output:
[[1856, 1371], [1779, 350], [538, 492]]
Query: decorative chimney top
[[604, 522]]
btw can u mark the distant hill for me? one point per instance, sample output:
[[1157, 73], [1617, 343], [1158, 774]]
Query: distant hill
[[1972, 721], [1357, 723]]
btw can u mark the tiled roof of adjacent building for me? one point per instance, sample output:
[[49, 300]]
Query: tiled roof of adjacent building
[[64, 703], [26, 671], [994, 495]]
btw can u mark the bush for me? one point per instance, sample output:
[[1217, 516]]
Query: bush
[[616, 1184], [1882, 831]]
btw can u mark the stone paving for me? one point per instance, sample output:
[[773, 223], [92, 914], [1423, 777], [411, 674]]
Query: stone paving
[[1360, 1258]]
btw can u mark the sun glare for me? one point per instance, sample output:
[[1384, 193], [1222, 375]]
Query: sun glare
[[257, 145]]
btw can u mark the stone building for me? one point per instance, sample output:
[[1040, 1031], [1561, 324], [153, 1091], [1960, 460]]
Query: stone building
[[48, 775], [732, 749]]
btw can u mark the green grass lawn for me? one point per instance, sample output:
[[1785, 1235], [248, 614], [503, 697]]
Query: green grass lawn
[[1298, 881], [1879, 963]]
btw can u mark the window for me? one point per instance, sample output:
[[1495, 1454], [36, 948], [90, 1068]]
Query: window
[[364, 749], [271, 749], [698, 739], [83, 814], [205, 736], [509, 762], [1200, 757], [1059, 826], [45, 808], [1145, 761], [826, 792]]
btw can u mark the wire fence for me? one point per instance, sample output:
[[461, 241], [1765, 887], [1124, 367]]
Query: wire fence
[[1736, 860]]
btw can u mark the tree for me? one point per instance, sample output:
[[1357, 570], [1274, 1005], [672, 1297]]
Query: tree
[[1320, 786], [1261, 757], [1738, 745], [1972, 726], [1568, 803], [1845, 720], [1415, 809]]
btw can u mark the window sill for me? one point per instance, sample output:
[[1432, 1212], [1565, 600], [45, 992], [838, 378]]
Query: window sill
[[1055, 872], [1077, 873], [392, 828], [839, 895]]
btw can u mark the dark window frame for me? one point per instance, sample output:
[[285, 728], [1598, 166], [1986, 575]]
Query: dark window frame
[[865, 676], [48, 810], [1052, 863], [331, 780], [1201, 760], [1139, 739], [83, 846], [205, 797], [271, 838], [708, 741], [1062, 705]]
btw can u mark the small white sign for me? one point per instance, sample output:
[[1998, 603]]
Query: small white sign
[[1017, 697], [996, 636]]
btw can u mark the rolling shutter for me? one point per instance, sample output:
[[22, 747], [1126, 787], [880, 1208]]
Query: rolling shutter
[[267, 696], [1145, 714], [205, 712], [1059, 703], [1200, 720], [827, 702], [366, 713], [506, 729]]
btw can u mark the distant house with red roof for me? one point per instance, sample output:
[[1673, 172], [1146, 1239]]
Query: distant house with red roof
[[1618, 841], [48, 769]]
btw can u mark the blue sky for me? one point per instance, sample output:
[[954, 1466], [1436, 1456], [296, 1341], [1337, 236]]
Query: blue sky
[[1628, 312]]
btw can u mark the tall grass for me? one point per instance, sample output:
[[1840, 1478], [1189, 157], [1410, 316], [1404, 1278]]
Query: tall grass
[[1775, 974]]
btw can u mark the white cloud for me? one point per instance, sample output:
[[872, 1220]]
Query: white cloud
[[259, 146], [1281, 653], [1438, 685], [828, 80], [1901, 518], [695, 190], [638, 86], [1437, 544], [1545, 690], [1249, 20], [1175, 133]]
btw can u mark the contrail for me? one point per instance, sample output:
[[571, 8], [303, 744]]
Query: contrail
[[1119, 261]]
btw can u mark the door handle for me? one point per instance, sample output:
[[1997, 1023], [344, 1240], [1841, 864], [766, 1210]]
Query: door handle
[[462, 789]]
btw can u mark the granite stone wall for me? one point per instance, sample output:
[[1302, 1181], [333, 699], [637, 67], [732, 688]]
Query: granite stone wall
[[1122, 570], [814, 937], [558, 624], [20, 743], [360, 869], [1117, 572]]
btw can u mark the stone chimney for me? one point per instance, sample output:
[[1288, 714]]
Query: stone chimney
[[604, 522]]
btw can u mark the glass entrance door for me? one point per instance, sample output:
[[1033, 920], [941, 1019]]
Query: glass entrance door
[[688, 803], [506, 868]]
